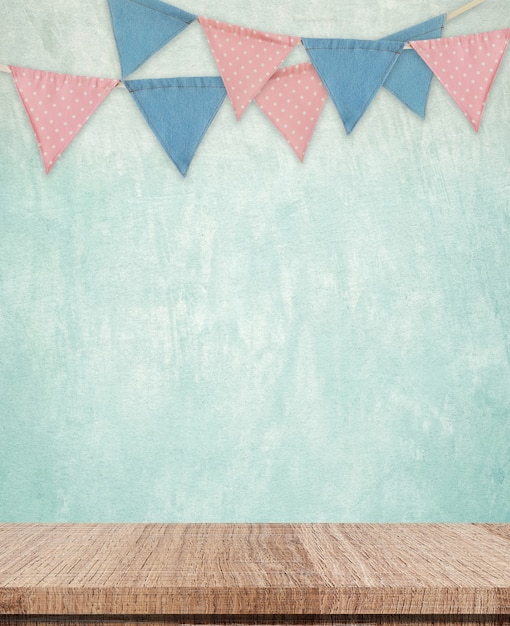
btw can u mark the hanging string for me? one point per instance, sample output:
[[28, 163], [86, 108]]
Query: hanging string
[[463, 9]]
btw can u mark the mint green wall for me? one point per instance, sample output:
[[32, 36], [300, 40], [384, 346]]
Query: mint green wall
[[264, 340]]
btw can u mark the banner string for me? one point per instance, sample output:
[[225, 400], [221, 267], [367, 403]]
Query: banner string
[[251, 67]]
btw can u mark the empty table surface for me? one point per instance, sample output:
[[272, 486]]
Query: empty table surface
[[255, 573]]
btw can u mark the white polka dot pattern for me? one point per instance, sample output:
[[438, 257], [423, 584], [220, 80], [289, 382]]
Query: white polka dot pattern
[[58, 105], [293, 100], [466, 67], [246, 58]]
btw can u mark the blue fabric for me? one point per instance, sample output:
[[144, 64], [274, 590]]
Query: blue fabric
[[142, 27], [179, 111], [410, 78], [352, 71]]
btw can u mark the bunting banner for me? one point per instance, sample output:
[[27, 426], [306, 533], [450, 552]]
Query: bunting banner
[[410, 78], [246, 58], [293, 100], [353, 71], [466, 66], [58, 106], [142, 27], [179, 111]]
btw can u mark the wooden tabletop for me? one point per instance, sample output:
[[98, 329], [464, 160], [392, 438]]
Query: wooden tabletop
[[265, 569]]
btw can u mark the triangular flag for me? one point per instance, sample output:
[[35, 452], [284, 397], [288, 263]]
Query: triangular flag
[[246, 58], [179, 111], [142, 27], [410, 78], [466, 66], [58, 105], [352, 70], [293, 100]]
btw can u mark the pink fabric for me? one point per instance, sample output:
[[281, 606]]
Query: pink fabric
[[293, 100], [466, 67], [246, 58], [58, 105]]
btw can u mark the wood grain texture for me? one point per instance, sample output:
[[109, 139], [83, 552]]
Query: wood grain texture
[[249, 569], [256, 620]]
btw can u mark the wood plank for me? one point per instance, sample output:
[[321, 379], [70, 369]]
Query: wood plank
[[235, 569], [256, 620]]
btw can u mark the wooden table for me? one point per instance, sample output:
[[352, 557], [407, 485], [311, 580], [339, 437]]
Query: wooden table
[[244, 574]]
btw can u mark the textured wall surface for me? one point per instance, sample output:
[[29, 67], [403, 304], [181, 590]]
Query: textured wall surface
[[264, 340]]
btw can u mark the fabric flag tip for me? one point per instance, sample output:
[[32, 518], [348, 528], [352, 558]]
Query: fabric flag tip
[[293, 100], [142, 27], [351, 72], [179, 111], [466, 66], [410, 78], [246, 58], [58, 106]]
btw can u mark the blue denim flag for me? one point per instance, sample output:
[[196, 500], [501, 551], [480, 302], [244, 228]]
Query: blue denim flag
[[352, 71], [410, 78], [179, 111], [142, 27]]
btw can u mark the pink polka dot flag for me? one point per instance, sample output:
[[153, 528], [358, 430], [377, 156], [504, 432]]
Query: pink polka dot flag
[[246, 58], [293, 100], [58, 106], [466, 67]]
